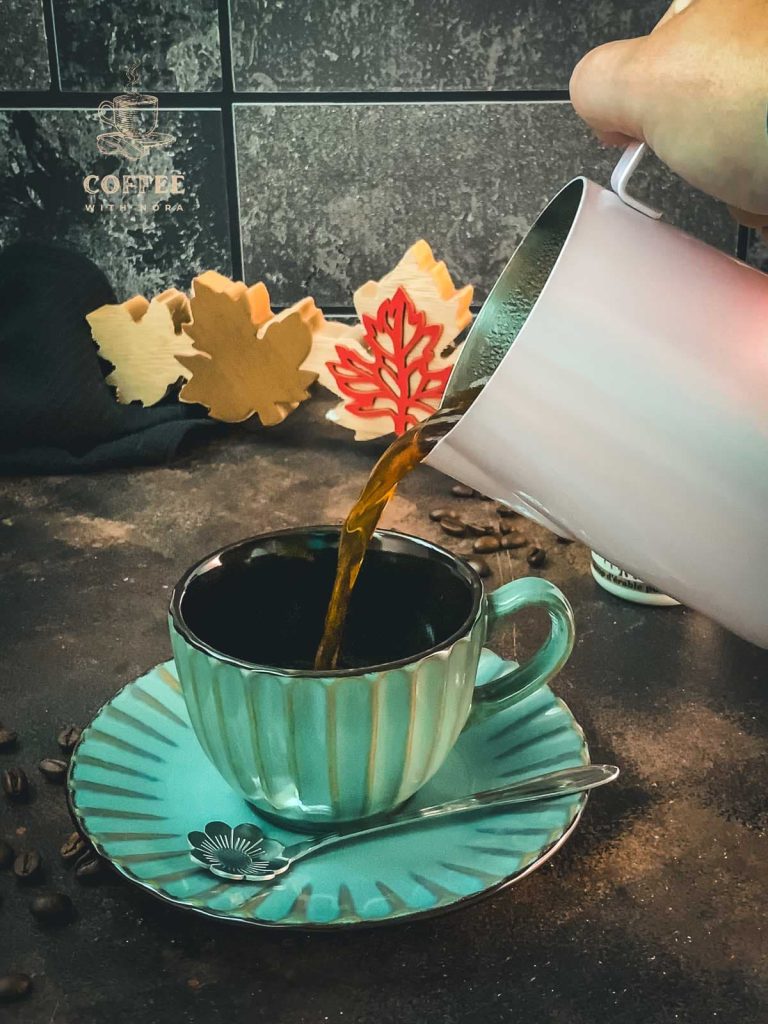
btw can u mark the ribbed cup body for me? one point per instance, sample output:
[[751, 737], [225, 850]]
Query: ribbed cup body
[[321, 750]]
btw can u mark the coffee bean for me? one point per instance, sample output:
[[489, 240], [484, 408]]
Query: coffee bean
[[505, 512], [437, 514], [7, 738], [6, 854], [485, 545], [53, 769], [14, 986], [28, 866], [515, 539], [462, 491], [73, 847], [478, 529], [15, 784], [90, 868], [52, 908], [536, 557], [453, 525], [68, 738], [480, 566]]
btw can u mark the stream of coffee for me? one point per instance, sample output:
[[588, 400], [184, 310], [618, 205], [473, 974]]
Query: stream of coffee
[[403, 455]]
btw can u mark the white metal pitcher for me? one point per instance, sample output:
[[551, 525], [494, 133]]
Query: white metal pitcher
[[624, 367]]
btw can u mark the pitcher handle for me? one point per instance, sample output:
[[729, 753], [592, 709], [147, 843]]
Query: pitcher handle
[[520, 681], [623, 171]]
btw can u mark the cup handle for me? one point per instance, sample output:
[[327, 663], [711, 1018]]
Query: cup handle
[[623, 171], [522, 680], [103, 107]]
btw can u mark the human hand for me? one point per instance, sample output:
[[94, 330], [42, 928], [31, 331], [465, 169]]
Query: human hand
[[696, 90]]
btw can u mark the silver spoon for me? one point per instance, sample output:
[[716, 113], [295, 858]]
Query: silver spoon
[[243, 853]]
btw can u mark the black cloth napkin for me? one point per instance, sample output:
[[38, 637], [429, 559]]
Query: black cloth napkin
[[57, 414]]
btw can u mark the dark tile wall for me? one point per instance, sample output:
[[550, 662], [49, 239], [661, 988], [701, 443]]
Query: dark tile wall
[[23, 46], [47, 154], [332, 194], [175, 41], [306, 192], [413, 45]]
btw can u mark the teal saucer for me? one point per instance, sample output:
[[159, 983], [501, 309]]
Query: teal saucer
[[139, 782]]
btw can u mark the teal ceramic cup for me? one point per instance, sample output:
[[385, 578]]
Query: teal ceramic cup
[[315, 749]]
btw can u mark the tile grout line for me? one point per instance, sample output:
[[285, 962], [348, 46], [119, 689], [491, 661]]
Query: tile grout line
[[51, 41], [50, 99], [742, 243], [229, 154]]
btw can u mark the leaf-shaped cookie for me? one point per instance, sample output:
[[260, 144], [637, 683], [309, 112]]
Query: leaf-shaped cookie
[[245, 360], [142, 340], [430, 291], [393, 374], [430, 288]]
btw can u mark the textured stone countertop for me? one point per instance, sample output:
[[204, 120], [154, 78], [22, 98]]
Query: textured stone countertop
[[654, 912]]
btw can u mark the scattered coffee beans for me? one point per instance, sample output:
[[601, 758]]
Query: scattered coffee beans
[[90, 868], [515, 539], [14, 986], [15, 784], [53, 769], [437, 514], [68, 738], [73, 847], [7, 738], [536, 557], [486, 545], [28, 866], [6, 854], [52, 908], [453, 526], [480, 566], [462, 491]]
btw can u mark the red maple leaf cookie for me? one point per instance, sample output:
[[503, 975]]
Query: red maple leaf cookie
[[395, 380], [390, 371]]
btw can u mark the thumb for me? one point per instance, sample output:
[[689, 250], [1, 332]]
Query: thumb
[[607, 89]]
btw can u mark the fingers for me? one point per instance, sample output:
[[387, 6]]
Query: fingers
[[607, 85], [607, 89]]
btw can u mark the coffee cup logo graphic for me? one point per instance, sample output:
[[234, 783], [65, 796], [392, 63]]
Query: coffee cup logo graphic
[[132, 122]]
